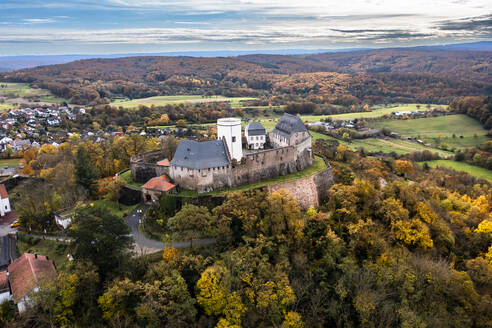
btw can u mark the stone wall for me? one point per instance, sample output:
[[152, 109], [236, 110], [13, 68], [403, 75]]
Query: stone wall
[[309, 191], [144, 167]]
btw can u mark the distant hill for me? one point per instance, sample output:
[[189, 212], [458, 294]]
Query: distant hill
[[407, 74], [11, 63]]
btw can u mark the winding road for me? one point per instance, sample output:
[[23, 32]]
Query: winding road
[[144, 245]]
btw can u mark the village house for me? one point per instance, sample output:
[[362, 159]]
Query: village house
[[26, 274], [255, 135], [156, 186], [4, 201]]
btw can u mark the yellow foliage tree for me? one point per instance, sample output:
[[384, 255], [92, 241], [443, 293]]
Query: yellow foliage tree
[[292, 320], [413, 233], [485, 227], [425, 213], [404, 167]]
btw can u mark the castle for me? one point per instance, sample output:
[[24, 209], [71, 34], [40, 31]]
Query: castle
[[222, 163]]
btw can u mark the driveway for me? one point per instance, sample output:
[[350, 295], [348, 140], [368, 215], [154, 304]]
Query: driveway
[[144, 245]]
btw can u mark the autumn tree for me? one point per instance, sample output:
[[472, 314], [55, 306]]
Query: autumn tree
[[191, 223]]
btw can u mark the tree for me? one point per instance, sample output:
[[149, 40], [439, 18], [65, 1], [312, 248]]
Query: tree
[[191, 223], [110, 188], [85, 172], [36, 205], [167, 303], [181, 124], [413, 233], [404, 167], [101, 238]]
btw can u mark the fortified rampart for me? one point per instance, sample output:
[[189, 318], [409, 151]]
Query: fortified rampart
[[144, 167], [309, 191], [270, 163]]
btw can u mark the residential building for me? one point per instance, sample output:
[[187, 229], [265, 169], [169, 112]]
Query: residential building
[[255, 135]]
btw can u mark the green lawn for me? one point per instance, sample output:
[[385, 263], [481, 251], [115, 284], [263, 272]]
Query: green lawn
[[476, 171], [114, 208], [12, 162], [318, 166], [468, 132], [385, 145], [127, 177], [55, 250], [166, 100]]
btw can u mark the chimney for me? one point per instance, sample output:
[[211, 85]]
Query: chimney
[[35, 255]]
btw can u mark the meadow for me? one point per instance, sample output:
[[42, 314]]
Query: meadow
[[376, 111], [167, 100], [459, 131], [398, 146], [17, 93], [476, 171]]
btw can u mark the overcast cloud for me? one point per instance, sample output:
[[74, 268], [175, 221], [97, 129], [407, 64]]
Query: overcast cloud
[[109, 26]]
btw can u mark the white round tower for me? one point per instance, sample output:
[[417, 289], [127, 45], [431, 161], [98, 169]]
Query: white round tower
[[230, 129]]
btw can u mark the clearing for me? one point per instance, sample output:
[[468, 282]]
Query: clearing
[[127, 177], [166, 100], [476, 171], [440, 130]]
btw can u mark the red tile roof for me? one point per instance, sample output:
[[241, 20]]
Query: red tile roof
[[159, 183], [4, 282], [164, 162], [27, 272], [3, 192]]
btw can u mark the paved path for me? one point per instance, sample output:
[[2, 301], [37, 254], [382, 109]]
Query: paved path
[[144, 245]]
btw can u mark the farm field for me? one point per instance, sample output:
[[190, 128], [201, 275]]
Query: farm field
[[13, 162], [385, 145], [376, 111], [468, 132], [17, 93], [476, 171], [166, 100]]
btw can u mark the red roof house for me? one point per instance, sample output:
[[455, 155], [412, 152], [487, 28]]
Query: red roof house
[[27, 273], [156, 186], [164, 162]]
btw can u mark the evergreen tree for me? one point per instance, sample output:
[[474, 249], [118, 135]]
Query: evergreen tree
[[85, 172]]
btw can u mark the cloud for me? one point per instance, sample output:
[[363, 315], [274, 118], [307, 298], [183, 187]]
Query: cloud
[[467, 24], [38, 20]]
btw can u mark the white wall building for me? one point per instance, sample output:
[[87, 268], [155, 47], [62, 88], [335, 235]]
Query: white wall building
[[255, 135], [229, 129], [4, 201]]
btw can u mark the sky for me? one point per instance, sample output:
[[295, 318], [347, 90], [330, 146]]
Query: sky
[[43, 27]]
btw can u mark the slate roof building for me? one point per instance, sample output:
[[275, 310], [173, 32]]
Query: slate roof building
[[199, 165], [255, 135], [290, 131]]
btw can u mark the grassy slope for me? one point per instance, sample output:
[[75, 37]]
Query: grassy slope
[[127, 176], [13, 162], [165, 100], [442, 127], [476, 171], [57, 251], [118, 210], [385, 145]]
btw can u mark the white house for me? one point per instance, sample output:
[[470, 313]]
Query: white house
[[4, 287], [4, 201], [255, 135]]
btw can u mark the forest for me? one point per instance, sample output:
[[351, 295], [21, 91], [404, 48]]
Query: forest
[[396, 75], [396, 245]]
